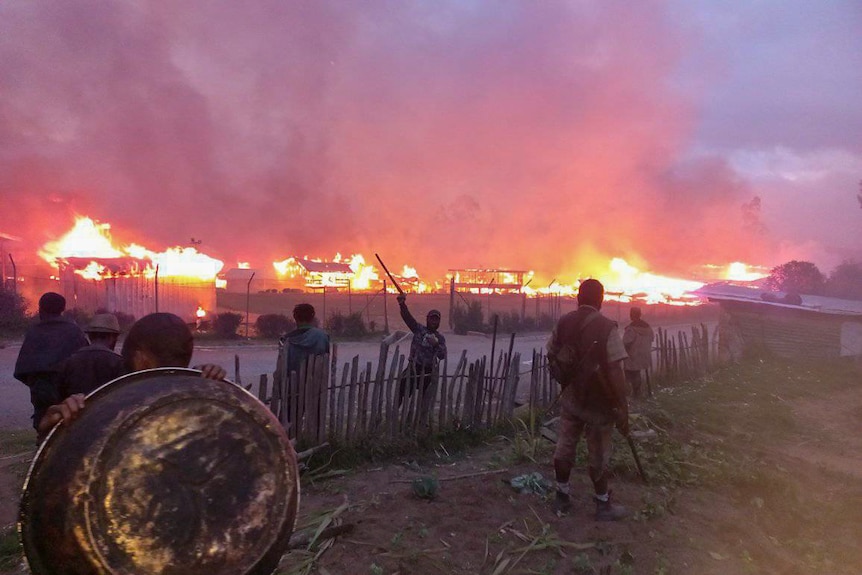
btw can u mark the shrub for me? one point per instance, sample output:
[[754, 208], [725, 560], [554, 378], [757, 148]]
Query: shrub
[[352, 325], [225, 324], [272, 325], [13, 311], [80, 316], [469, 318]]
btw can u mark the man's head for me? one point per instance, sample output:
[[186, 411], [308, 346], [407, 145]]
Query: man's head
[[303, 313], [635, 313], [432, 320], [104, 329], [591, 292], [51, 304], [158, 340]]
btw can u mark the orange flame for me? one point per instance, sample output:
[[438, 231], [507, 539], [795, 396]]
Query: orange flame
[[738, 271], [88, 239], [625, 282]]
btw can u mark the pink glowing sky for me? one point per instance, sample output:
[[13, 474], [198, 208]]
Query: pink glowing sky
[[532, 135]]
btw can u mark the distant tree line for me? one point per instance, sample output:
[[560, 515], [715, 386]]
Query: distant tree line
[[804, 277]]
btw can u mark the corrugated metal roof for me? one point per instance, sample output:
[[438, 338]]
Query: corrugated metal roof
[[724, 291]]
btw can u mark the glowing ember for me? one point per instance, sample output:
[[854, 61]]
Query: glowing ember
[[88, 239]]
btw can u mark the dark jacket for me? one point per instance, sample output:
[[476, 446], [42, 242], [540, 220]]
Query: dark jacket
[[590, 399], [298, 345], [45, 345], [423, 353], [87, 369]]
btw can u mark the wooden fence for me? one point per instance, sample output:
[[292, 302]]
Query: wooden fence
[[320, 403], [324, 403], [684, 355]]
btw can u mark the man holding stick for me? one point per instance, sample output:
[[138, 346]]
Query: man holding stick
[[426, 349], [585, 354]]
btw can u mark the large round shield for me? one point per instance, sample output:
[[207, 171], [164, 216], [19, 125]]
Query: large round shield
[[164, 472]]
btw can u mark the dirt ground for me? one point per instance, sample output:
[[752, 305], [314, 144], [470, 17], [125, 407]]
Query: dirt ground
[[754, 469], [781, 496]]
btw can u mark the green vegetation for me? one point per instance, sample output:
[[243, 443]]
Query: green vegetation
[[468, 318], [13, 313], [273, 325], [225, 324], [348, 326]]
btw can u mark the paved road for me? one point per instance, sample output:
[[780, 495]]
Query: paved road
[[255, 359]]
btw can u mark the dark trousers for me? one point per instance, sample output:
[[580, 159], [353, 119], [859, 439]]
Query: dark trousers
[[412, 378], [43, 394], [634, 379]]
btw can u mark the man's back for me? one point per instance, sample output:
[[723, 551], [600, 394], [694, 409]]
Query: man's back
[[299, 345], [87, 369], [638, 340], [592, 338], [45, 345]]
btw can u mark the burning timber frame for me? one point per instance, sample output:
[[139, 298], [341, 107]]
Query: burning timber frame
[[497, 280]]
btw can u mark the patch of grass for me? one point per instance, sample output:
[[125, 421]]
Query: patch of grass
[[727, 431], [10, 549], [17, 441], [450, 446]]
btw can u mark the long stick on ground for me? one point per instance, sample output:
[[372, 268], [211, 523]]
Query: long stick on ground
[[454, 477]]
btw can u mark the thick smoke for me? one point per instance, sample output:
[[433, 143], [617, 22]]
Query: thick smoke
[[545, 136]]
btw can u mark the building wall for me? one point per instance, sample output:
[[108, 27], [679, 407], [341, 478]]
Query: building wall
[[785, 332], [138, 295]]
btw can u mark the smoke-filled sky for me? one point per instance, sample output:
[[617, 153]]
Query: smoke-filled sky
[[441, 133]]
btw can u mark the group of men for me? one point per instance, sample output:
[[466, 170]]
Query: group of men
[[598, 368], [61, 365]]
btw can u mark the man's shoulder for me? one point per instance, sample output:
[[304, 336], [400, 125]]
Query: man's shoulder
[[98, 350]]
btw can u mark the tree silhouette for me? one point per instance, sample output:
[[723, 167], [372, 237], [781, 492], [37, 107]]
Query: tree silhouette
[[845, 281], [796, 276]]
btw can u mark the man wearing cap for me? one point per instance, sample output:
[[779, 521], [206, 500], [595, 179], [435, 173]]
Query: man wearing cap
[[155, 340], [46, 344], [426, 349], [96, 364]]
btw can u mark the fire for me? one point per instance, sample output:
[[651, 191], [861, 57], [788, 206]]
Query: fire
[[360, 277], [88, 239], [200, 313], [738, 271], [625, 282], [363, 274]]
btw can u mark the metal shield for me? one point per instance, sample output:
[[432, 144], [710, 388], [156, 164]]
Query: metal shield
[[164, 472]]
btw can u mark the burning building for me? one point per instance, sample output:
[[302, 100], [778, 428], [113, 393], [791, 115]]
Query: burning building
[[94, 274], [489, 280]]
